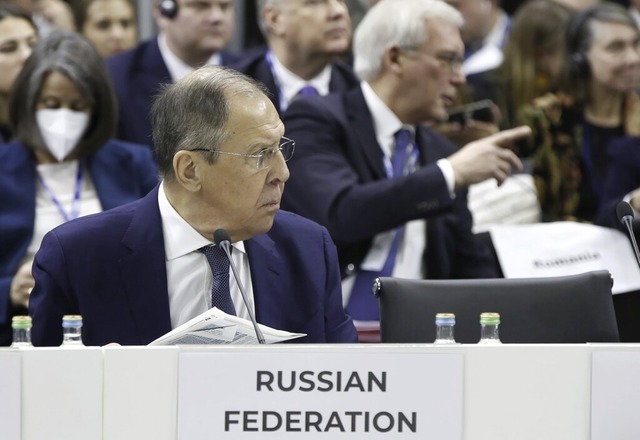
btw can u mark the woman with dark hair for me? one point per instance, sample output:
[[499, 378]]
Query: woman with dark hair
[[573, 129], [63, 163], [110, 25], [17, 37]]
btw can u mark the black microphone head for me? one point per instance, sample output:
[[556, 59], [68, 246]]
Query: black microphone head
[[624, 210], [221, 235]]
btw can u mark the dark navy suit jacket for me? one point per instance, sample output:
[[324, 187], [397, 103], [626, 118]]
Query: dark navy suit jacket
[[137, 77], [338, 179], [255, 65], [622, 177], [121, 173], [110, 268]]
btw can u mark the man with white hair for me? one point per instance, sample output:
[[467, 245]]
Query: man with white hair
[[306, 41], [391, 191]]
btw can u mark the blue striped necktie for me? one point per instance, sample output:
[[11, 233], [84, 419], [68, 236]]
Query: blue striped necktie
[[363, 306], [219, 263]]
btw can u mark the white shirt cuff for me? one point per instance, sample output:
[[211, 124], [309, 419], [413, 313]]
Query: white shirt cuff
[[449, 176]]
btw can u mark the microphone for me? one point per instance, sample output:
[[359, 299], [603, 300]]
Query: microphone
[[624, 211], [222, 238]]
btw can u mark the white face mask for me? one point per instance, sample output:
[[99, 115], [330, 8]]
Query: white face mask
[[61, 129]]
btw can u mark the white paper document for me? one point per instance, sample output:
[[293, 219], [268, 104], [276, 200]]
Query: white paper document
[[216, 327], [566, 248]]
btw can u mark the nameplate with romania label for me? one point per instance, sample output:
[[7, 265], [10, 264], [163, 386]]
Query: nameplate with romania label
[[319, 394]]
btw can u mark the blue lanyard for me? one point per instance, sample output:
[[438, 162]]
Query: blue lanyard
[[75, 205]]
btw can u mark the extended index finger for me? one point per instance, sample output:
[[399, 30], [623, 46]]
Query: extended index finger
[[506, 137]]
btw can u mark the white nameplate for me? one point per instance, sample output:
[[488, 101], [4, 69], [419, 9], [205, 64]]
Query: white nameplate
[[615, 400], [10, 403], [307, 394], [566, 248]]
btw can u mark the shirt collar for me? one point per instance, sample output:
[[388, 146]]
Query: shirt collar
[[290, 84], [385, 122], [177, 68], [180, 238]]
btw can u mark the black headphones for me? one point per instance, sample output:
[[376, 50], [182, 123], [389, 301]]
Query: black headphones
[[577, 31], [169, 8]]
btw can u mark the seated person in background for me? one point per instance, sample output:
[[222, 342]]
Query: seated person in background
[[50, 15], [533, 59], [110, 25], [621, 183], [63, 163], [18, 35], [578, 5], [374, 175], [598, 103], [484, 32], [305, 41], [193, 33], [136, 272]]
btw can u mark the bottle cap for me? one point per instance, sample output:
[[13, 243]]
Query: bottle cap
[[490, 318], [70, 321], [445, 318], [21, 322]]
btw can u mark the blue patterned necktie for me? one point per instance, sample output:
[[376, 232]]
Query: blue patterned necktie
[[363, 306], [219, 263]]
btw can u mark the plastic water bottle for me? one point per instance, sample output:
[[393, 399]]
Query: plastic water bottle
[[445, 323], [72, 330], [489, 333], [21, 326]]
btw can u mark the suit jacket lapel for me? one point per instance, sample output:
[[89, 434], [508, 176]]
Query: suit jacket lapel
[[359, 116], [266, 267], [144, 271]]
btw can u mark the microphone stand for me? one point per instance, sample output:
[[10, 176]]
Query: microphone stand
[[625, 213], [224, 244]]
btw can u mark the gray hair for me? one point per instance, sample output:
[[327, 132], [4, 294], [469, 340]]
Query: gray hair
[[71, 55], [260, 5], [192, 113], [395, 23]]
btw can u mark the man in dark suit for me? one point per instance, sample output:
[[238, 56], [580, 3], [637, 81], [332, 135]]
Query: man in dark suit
[[306, 41], [192, 34], [136, 272], [346, 176]]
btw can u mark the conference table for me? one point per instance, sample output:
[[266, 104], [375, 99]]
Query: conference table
[[353, 391]]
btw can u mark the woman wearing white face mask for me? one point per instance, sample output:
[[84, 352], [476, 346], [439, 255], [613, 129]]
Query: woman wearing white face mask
[[63, 163]]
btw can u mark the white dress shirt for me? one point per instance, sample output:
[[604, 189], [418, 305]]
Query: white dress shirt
[[408, 262], [61, 179], [189, 277], [178, 69], [289, 84]]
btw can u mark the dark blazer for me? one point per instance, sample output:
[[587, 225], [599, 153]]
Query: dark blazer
[[137, 76], [110, 268], [121, 172], [622, 178], [338, 179], [256, 66]]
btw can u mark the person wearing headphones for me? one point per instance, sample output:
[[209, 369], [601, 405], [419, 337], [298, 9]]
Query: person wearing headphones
[[193, 33], [598, 103]]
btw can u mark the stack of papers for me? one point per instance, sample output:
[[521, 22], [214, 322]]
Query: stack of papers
[[216, 327]]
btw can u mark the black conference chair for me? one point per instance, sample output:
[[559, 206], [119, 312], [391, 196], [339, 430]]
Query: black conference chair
[[566, 309]]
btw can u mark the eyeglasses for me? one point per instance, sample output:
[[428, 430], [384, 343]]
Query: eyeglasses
[[451, 60], [264, 158]]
